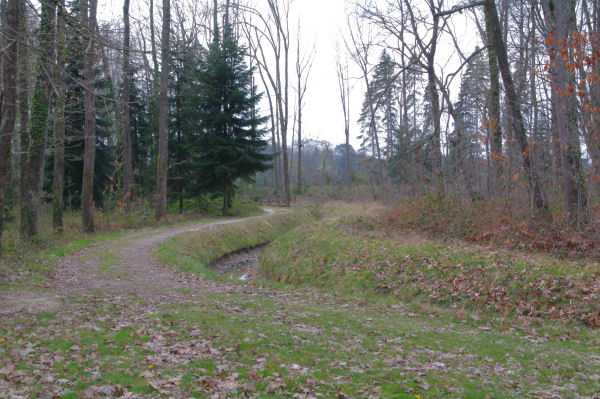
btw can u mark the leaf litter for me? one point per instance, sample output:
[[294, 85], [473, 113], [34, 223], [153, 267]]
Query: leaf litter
[[162, 332]]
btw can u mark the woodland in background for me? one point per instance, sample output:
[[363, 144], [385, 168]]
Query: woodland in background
[[97, 116]]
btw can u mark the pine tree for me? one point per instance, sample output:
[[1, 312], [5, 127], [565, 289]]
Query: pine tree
[[229, 144]]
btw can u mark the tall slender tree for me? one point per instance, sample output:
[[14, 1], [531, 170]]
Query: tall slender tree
[[493, 106], [8, 104], [23, 99], [514, 106], [88, 16], [59, 121], [344, 86], [40, 106], [560, 20], [163, 114], [303, 68], [126, 141]]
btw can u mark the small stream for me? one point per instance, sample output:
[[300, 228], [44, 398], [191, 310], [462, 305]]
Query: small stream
[[241, 265]]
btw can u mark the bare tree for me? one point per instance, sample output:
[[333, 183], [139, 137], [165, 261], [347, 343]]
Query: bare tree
[[359, 47], [428, 50], [560, 21], [303, 68], [344, 86], [513, 102], [273, 31], [493, 105], [280, 16]]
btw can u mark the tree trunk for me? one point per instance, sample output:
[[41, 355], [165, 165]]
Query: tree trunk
[[494, 110], [88, 11], [299, 132], [458, 143], [153, 49], [127, 161], [533, 180], [8, 105], [375, 142], [226, 199], [556, 150], [163, 113], [23, 110], [559, 16], [59, 123], [38, 129], [348, 172]]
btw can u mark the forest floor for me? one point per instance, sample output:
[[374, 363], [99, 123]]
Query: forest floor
[[111, 321]]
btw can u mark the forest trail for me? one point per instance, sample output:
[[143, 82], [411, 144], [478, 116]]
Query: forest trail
[[114, 323], [121, 267]]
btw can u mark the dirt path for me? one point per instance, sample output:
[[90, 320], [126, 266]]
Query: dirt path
[[122, 267]]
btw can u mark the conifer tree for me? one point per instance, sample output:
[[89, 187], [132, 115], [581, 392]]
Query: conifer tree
[[230, 144]]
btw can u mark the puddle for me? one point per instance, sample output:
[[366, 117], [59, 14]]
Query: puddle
[[241, 265]]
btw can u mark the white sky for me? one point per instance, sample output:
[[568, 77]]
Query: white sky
[[323, 117]]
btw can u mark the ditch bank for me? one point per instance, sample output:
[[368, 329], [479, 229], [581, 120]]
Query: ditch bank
[[228, 249]]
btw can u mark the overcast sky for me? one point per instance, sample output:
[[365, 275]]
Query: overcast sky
[[322, 21]]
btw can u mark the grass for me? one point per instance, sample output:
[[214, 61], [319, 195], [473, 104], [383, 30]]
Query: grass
[[194, 251], [359, 255], [238, 344], [344, 333]]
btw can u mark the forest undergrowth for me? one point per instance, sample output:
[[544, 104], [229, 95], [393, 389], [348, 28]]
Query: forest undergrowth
[[509, 224], [378, 251]]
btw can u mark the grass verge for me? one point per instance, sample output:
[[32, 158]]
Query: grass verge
[[194, 251]]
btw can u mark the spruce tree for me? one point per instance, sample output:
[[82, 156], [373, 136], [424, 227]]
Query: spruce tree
[[230, 144]]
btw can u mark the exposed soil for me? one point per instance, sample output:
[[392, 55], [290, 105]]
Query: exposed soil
[[244, 262]]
